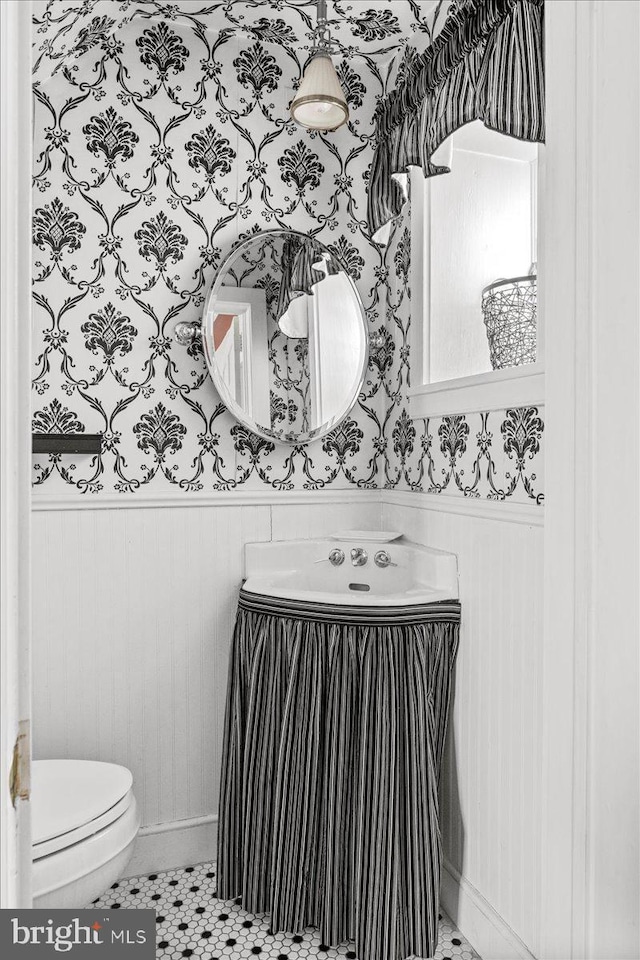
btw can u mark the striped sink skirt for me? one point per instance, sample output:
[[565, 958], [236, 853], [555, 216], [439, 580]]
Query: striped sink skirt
[[334, 732]]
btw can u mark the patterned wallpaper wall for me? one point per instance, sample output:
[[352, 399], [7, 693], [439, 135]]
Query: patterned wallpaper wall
[[160, 140]]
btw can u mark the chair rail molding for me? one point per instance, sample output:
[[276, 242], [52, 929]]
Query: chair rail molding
[[214, 498], [531, 514], [507, 510]]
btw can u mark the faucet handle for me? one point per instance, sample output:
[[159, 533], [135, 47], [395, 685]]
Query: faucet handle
[[359, 556], [382, 559], [335, 558]]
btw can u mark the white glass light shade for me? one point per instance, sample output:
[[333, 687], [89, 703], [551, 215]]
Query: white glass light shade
[[320, 103]]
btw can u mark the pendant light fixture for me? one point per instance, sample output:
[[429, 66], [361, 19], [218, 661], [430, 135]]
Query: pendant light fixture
[[320, 103]]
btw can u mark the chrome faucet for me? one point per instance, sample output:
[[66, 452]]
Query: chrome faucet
[[359, 556]]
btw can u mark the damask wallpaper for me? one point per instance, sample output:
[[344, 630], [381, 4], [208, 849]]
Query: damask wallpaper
[[162, 138]]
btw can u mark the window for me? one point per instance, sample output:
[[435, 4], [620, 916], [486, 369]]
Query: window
[[470, 228]]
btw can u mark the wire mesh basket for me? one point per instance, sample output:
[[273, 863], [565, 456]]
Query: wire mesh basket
[[509, 308]]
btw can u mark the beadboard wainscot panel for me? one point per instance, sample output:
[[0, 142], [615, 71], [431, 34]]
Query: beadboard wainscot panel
[[304, 521], [491, 777], [133, 614], [132, 620]]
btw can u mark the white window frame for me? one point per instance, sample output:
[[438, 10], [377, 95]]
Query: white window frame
[[496, 390]]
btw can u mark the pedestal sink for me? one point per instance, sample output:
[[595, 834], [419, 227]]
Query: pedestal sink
[[302, 570]]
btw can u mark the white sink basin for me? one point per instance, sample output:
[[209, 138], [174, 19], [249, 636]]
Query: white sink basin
[[289, 568]]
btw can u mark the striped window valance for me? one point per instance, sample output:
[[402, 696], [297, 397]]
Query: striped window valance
[[304, 263], [487, 63]]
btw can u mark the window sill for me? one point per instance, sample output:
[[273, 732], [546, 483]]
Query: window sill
[[496, 390]]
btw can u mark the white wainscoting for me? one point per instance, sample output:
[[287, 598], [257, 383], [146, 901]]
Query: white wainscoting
[[133, 615], [133, 612], [491, 779]]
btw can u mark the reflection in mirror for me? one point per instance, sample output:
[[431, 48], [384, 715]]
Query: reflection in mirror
[[285, 337]]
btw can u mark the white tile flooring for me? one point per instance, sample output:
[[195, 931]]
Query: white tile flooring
[[192, 922]]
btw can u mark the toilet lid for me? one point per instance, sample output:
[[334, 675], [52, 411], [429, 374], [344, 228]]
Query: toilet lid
[[67, 794]]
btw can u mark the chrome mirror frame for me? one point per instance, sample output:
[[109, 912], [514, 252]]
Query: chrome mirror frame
[[290, 439]]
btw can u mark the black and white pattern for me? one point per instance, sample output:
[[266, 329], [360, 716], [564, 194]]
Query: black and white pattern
[[192, 922], [162, 138], [485, 63], [333, 742], [458, 454]]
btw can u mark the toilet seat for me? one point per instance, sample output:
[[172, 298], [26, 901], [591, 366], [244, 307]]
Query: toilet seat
[[85, 821], [73, 799]]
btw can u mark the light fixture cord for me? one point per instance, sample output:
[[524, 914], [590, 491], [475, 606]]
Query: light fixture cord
[[322, 40]]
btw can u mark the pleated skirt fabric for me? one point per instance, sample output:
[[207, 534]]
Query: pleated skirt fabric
[[334, 731]]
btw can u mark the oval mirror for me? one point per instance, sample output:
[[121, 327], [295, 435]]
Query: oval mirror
[[285, 336]]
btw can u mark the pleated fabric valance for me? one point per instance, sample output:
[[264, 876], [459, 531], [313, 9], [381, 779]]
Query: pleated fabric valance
[[487, 63], [304, 262]]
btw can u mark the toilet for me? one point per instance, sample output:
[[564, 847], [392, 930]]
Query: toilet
[[84, 824]]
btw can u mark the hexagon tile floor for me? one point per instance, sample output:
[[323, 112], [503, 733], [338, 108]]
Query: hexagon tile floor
[[192, 922]]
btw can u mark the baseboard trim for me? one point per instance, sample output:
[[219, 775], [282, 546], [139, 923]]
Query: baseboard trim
[[476, 919], [178, 843], [181, 843]]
